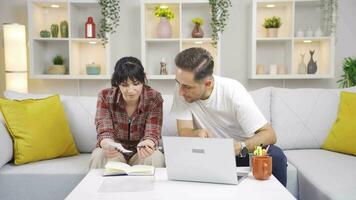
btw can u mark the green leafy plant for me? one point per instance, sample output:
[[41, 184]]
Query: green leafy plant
[[219, 17], [110, 11], [272, 22], [164, 12], [198, 21], [57, 60], [349, 76]]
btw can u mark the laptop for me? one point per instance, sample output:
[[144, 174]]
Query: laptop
[[201, 159]]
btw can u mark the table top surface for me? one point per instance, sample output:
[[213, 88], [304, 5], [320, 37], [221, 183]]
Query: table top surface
[[95, 186]]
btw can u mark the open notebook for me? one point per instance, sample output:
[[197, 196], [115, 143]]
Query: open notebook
[[113, 168]]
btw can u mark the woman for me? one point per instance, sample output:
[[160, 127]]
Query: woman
[[128, 113]]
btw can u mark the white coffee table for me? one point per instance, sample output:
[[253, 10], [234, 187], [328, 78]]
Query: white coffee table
[[95, 186]]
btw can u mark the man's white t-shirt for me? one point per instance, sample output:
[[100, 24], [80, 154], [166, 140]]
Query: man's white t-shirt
[[229, 112]]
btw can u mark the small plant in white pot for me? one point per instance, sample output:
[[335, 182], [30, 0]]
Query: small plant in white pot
[[57, 67], [272, 25]]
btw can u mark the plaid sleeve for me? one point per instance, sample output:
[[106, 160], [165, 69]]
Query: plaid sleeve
[[153, 126], [103, 120]]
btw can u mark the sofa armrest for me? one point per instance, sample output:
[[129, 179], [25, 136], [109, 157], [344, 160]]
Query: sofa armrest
[[6, 145]]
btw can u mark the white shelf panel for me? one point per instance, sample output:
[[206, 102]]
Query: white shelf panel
[[158, 40], [315, 39], [274, 39], [293, 76], [50, 39], [86, 77], [161, 77]]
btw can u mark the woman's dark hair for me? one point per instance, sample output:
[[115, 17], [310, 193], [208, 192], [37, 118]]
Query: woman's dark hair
[[128, 68]]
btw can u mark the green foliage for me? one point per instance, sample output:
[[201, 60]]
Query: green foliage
[[219, 17], [349, 76], [272, 22], [164, 12], [198, 21], [57, 60], [110, 11]]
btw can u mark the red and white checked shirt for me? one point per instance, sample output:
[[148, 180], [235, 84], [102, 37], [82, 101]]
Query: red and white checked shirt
[[112, 120]]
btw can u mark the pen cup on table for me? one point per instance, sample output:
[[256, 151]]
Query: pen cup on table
[[261, 164]]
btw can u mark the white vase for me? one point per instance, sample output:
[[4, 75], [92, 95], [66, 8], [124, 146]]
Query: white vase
[[272, 32], [164, 28], [302, 67]]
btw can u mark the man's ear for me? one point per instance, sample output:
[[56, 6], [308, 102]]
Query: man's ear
[[208, 82]]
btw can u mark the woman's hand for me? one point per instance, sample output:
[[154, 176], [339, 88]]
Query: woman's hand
[[145, 148], [109, 150]]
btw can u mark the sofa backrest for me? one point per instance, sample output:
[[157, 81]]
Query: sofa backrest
[[302, 118]]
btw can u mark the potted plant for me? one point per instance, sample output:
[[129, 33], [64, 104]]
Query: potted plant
[[57, 67], [197, 30], [219, 15], [349, 76], [272, 25], [164, 28], [110, 12]]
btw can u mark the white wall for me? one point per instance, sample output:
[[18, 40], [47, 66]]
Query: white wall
[[234, 53]]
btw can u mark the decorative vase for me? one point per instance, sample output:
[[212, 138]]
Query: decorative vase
[[45, 34], [302, 67], [272, 32], [197, 31], [54, 30], [93, 69], [64, 29], [164, 28], [312, 67], [163, 67]]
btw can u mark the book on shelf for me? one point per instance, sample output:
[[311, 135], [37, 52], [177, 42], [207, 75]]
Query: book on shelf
[[113, 168]]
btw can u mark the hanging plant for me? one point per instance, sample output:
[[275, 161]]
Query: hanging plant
[[110, 11], [219, 16]]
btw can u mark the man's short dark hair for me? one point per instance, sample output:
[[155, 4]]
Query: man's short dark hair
[[197, 60], [128, 68]]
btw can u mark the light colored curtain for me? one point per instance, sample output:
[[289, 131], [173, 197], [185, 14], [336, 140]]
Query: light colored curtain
[[329, 16]]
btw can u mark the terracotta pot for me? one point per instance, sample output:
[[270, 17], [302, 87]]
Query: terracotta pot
[[164, 28], [197, 31], [272, 32], [261, 167]]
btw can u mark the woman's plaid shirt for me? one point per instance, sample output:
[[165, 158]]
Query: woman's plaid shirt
[[112, 120]]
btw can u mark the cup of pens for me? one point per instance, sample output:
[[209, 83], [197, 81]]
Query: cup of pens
[[261, 163]]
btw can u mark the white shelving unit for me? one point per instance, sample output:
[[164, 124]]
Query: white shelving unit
[[76, 50], [154, 48], [285, 49]]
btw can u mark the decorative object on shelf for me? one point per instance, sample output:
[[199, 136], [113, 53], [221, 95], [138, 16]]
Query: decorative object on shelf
[[300, 33], [54, 30], [15, 57], [312, 67], [348, 79], [45, 34], [260, 69], [64, 29], [309, 32], [163, 68], [302, 67], [164, 28], [219, 16], [110, 11], [318, 32], [273, 69], [57, 67], [197, 30], [272, 25], [90, 28], [329, 16], [281, 69], [93, 69]]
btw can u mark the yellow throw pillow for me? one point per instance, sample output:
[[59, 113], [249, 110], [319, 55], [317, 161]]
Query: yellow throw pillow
[[342, 137], [39, 129]]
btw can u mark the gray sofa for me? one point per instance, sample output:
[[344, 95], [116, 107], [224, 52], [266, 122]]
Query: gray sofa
[[301, 117]]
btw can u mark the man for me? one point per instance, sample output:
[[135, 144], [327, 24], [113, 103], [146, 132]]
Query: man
[[206, 105]]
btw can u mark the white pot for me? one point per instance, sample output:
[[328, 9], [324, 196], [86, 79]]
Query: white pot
[[272, 32]]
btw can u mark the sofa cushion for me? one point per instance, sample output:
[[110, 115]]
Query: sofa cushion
[[342, 137], [39, 129], [324, 174], [262, 98], [49, 179], [302, 118]]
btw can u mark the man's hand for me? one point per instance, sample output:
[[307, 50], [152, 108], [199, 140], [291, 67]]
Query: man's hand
[[204, 133], [237, 147], [145, 148], [109, 150]]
